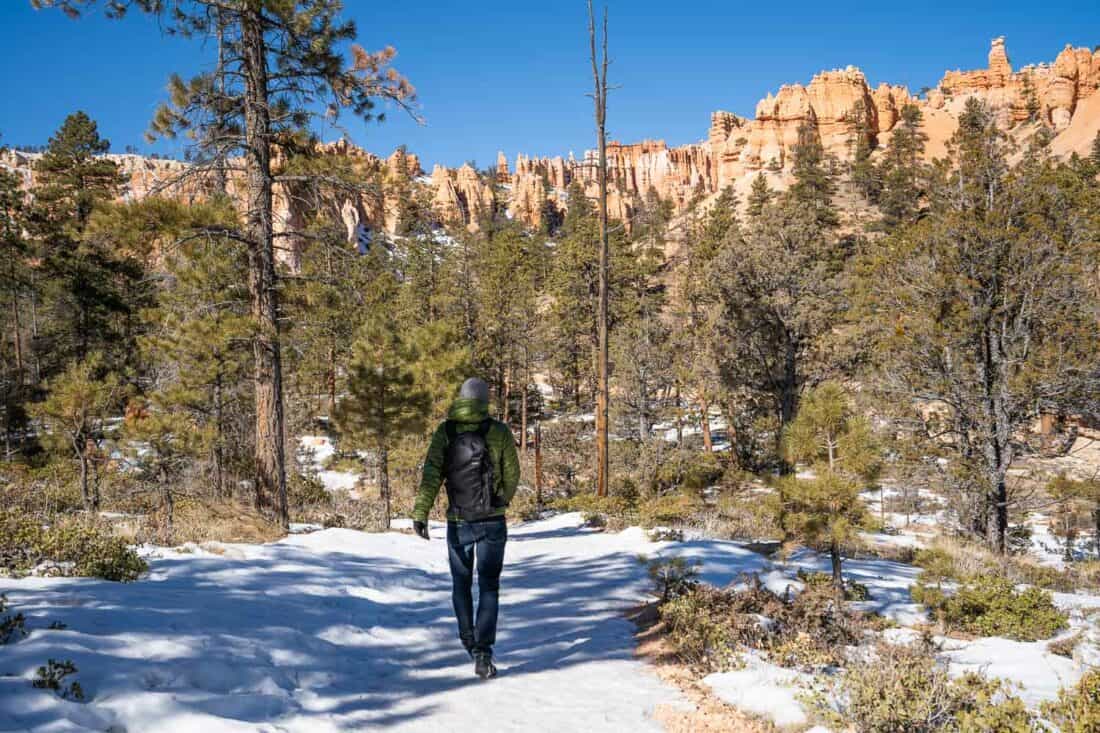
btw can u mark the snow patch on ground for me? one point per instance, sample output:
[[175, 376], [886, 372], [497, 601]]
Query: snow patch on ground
[[1030, 665], [763, 689], [339, 630]]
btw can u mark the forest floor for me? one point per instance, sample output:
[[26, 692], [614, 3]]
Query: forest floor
[[337, 630]]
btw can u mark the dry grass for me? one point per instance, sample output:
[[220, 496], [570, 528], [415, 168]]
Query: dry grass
[[706, 714], [201, 520]]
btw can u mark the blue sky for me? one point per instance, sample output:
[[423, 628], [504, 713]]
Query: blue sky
[[493, 74]]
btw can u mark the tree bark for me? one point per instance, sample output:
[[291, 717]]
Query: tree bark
[[538, 465], [838, 576], [82, 456], [523, 404], [704, 423], [270, 459], [384, 485], [599, 74]]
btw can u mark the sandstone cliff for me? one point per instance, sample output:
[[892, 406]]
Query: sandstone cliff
[[1061, 95]]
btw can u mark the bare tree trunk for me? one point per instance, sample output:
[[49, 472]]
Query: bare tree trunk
[[270, 458], [1096, 529], [704, 423], [679, 419], [599, 76], [838, 576], [34, 327], [538, 465], [82, 457], [523, 404], [384, 485], [16, 327], [506, 391], [219, 438]]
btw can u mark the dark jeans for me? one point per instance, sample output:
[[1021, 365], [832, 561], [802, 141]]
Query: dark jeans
[[484, 540]]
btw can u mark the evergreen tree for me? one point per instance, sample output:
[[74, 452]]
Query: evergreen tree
[[88, 284], [861, 144], [760, 196], [986, 306], [280, 65], [79, 402], [641, 344], [840, 450], [814, 179], [779, 297], [1095, 155], [902, 170], [15, 283], [697, 363], [384, 403], [197, 348], [161, 444]]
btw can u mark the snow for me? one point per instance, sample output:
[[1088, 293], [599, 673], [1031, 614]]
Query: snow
[[342, 630], [764, 689], [1030, 665], [887, 584], [338, 480], [335, 629]]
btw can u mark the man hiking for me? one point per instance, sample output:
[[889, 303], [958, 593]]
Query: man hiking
[[475, 456]]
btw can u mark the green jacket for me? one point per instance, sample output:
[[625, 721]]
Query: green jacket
[[468, 414]]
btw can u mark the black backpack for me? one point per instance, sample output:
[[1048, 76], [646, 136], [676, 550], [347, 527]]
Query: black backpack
[[468, 469]]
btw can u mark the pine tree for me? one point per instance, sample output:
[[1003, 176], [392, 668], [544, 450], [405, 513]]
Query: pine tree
[[384, 403], [697, 364], [1095, 155], [15, 283], [161, 444], [1007, 327], [779, 296], [79, 401], [839, 448], [814, 179], [88, 283], [759, 197], [902, 171], [280, 65], [862, 171], [197, 349]]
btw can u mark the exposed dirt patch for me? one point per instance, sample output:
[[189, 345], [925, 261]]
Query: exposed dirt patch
[[707, 713]]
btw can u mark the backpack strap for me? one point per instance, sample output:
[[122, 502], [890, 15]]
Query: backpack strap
[[484, 427], [451, 431]]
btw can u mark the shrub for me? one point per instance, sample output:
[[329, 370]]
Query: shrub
[[51, 675], [688, 470], [991, 606], [1077, 710], [1064, 647], [963, 561], [524, 505], [672, 577], [903, 688], [306, 490], [589, 503], [745, 515], [708, 626], [77, 547], [853, 591], [675, 508], [11, 625], [703, 631]]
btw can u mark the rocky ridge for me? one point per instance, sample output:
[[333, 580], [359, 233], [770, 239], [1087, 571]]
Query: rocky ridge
[[1061, 95]]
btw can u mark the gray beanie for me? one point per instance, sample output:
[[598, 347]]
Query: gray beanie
[[474, 389]]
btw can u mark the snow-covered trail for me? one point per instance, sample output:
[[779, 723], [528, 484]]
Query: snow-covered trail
[[342, 630]]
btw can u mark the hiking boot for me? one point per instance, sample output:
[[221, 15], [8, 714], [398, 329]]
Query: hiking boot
[[468, 645], [483, 665]]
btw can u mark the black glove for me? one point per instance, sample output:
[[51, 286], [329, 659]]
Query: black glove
[[421, 528]]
